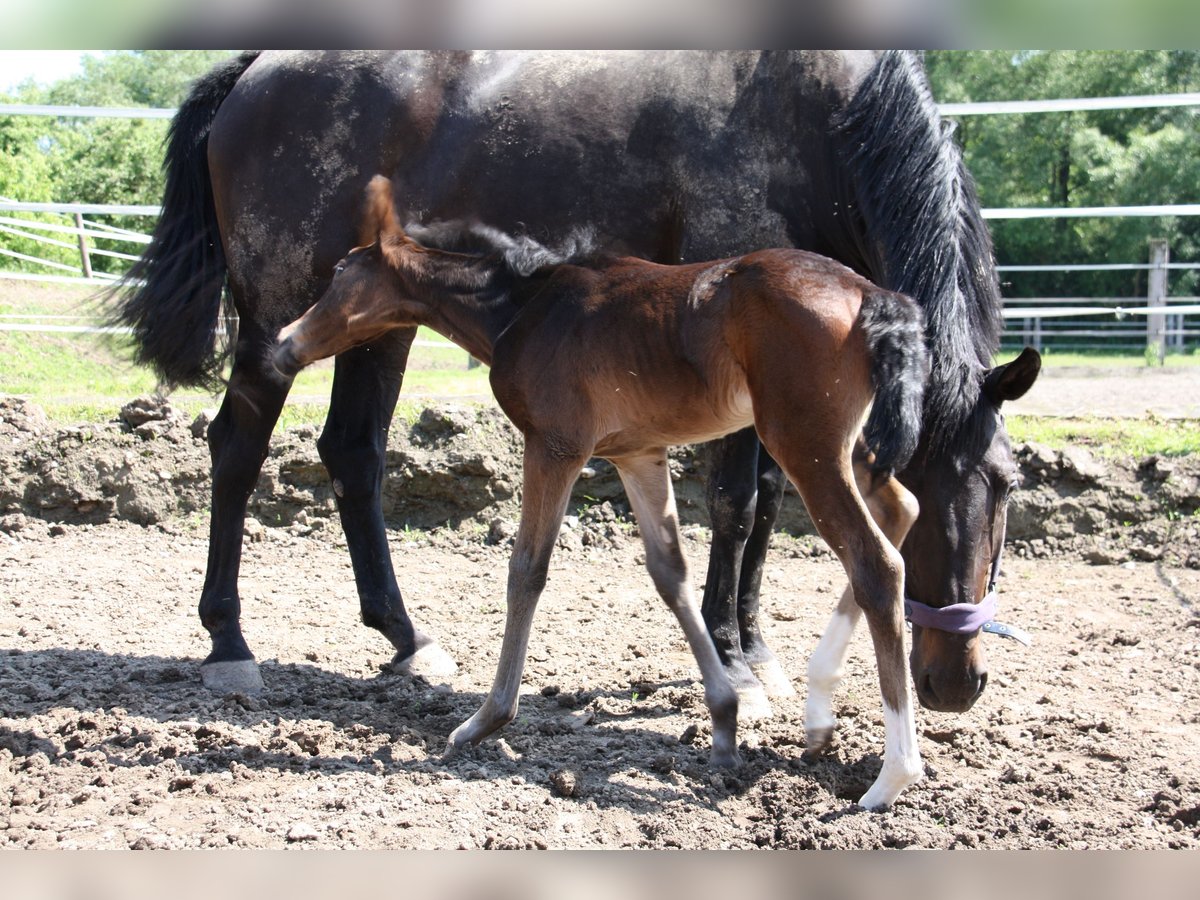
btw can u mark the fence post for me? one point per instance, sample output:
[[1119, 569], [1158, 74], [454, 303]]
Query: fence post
[[83, 247], [1156, 323]]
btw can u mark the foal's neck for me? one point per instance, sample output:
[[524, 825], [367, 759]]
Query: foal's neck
[[468, 298]]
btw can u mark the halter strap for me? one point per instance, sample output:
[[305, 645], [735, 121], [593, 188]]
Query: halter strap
[[959, 618], [963, 618]]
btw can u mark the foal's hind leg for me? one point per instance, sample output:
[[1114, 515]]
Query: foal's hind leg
[[894, 510], [647, 481], [547, 488], [238, 439], [732, 496], [366, 383]]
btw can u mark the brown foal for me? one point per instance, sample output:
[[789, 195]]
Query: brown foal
[[622, 358]]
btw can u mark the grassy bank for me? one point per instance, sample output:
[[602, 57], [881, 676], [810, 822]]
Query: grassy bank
[[87, 378], [84, 377]]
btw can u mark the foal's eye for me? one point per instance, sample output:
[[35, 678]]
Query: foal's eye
[[339, 268]]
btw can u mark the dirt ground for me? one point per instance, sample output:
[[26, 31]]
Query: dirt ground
[[1170, 392], [107, 740]]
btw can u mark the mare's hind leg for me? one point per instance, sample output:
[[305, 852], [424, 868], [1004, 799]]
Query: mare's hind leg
[[894, 510], [353, 444], [547, 488], [732, 495], [771, 485], [876, 572], [647, 481], [238, 439]]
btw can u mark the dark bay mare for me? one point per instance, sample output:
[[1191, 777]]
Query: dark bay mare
[[622, 358], [673, 157]]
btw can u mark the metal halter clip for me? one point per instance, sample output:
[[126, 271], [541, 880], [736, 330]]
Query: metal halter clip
[[1020, 635]]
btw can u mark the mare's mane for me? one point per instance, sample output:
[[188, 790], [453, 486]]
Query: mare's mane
[[930, 240]]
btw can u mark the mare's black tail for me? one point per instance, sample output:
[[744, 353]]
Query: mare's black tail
[[895, 332], [173, 296]]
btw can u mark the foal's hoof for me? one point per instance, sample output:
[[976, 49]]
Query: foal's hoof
[[232, 677], [724, 759], [430, 661], [892, 780], [773, 679], [817, 741], [753, 703]]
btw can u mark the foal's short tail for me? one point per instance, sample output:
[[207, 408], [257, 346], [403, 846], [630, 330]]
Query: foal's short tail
[[172, 297], [895, 332]]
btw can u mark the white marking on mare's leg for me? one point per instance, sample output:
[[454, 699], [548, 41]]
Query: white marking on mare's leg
[[430, 661], [753, 703], [825, 673], [902, 765], [774, 679]]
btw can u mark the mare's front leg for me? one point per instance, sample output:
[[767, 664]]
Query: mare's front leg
[[762, 660], [647, 481], [353, 446], [894, 510], [238, 439], [549, 475], [732, 497]]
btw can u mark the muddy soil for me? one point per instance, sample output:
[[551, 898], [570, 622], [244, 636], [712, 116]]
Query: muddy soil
[[107, 739]]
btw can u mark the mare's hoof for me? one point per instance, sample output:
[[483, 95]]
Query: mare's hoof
[[773, 679], [430, 661], [753, 704], [232, 677], [817, 741]]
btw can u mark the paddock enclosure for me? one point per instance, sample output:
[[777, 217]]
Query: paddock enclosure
[[1087, 738]]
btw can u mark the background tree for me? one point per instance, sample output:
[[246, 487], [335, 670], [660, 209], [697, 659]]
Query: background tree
[[1109, 158], [107, 161]]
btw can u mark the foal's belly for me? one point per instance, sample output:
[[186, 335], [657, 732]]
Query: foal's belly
[[671, 421]]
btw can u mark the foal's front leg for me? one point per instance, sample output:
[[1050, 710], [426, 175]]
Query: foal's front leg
[[647, 481], [547, 488], [894, 510], [876, 572]]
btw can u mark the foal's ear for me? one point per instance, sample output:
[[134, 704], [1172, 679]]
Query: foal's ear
[[379, 216], [1012, 380]]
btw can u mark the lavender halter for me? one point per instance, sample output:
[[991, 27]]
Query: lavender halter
[[963, 618]]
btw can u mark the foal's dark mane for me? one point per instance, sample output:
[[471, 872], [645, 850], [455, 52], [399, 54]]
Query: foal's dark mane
[[933, 243], [520, 254]]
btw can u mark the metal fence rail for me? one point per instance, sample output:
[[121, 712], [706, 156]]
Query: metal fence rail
[[1061, 322]]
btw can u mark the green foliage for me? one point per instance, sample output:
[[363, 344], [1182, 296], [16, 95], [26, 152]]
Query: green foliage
[[45, 159], [1106, 158]]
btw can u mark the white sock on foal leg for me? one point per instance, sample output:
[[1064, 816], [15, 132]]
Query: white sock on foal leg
[[902, 765], [824, 676]]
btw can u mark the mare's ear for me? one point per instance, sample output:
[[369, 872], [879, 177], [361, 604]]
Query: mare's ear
[[379, 215], [1012, 380]]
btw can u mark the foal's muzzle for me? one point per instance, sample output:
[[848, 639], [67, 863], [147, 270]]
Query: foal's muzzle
[[283, 358]]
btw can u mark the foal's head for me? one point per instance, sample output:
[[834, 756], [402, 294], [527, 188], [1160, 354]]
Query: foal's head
[[953, 550], [374, 290]]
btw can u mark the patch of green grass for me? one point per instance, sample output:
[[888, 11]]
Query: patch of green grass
[[79, 378], [1110, 437]]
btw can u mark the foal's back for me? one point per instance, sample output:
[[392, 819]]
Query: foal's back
[[625, 354]]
